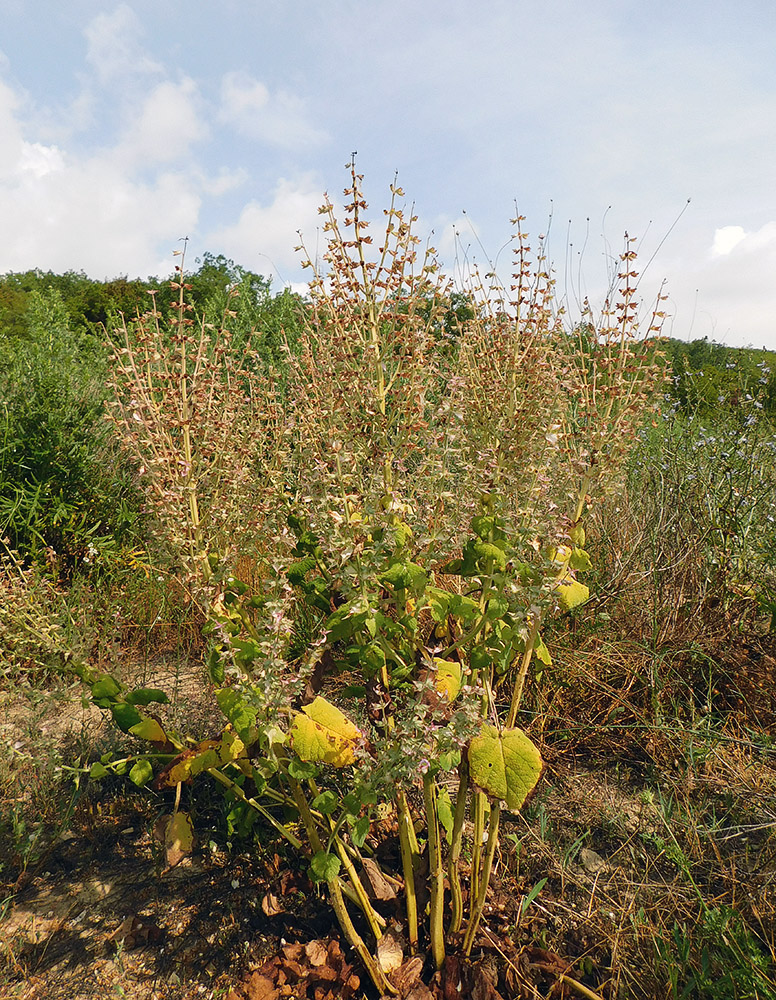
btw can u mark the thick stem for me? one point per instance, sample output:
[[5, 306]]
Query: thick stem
[[517, 691], [453, 874], [436, 873], [487, 868], [352, 936], [409, 853]]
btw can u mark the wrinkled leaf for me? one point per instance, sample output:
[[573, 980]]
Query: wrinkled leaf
[[178, 838], [320, 732], [447, 679], [239, 713], [141, 773], [572, 593], [149, 729], [505, 764], [324, 866]]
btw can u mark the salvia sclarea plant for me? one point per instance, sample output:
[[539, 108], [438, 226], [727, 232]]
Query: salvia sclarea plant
[[434, 470]]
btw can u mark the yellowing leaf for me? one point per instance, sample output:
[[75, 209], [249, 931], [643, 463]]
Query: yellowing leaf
[[561, 556], [207, 754], [580, 560], [542, 653], [571, 593], [149, 729], [178, 838], [447, 679], [320, 732], [505, 764], [577, 534]]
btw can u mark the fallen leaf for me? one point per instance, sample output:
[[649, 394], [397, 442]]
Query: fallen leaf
[[178, 838], [390, 954], [261, 988], [317, 953], [270, 905], [381, 888]]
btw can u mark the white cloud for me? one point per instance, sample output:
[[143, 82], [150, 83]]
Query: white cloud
[[39, 160], [114, 46], [726, 239], [166, 126], [277, 119], [268, 232]]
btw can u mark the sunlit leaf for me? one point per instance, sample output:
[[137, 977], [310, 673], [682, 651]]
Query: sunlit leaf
[[320, 732], [571, 593], [141, 773], [541, 652], [105, 687], [207, 754], [447, 679], [505, 764], [324, 866], [178, 838], [580, 560], [149, 729]]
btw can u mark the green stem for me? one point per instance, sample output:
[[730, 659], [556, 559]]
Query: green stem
[[453, 874], [408, 845], [240, 794], [352, 936], [517, 691], [478, 823], [487, 868], [436, 872]]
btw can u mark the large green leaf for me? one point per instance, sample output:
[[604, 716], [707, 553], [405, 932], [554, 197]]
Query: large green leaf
[[505, 764]]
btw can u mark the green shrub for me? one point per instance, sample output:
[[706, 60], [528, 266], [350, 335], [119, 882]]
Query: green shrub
[[66, 496]]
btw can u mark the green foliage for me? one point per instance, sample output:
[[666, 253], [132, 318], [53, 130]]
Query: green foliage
[[720, 959], [704, 489], [66, 498]]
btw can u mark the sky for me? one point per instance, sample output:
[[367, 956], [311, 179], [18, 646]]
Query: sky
[[127, 126]]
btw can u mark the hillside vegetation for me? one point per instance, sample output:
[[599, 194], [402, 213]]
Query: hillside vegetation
[[441, 622]]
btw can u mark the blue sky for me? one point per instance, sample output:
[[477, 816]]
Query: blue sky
[[125, 126]]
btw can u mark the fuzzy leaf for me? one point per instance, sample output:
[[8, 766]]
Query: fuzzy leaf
[[505, 764], [320, 732], [149, 729], [580, 560], [572, 593], [324, 866], [238, 712], [447, 679], [141, 773]]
